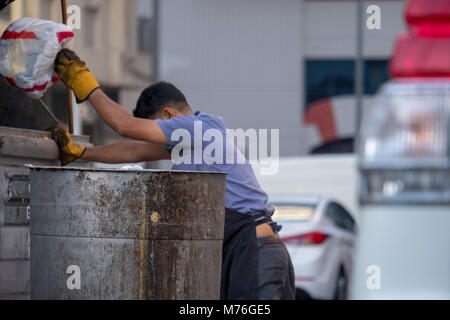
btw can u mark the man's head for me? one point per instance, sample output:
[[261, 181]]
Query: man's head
[[162, 100]]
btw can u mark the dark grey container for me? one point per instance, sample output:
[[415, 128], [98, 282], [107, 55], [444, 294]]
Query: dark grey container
[[126, 234]]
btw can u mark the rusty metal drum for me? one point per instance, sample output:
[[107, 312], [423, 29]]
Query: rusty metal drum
[[115, 234]]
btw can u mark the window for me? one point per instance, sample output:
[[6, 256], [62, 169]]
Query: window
[[333, 215], [146, 26], [376, 72], [328, 78], [349, 222], [90, 24], [340, 217], [331, 78], [325, 79]]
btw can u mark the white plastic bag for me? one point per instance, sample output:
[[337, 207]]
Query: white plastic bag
[[28, 50]]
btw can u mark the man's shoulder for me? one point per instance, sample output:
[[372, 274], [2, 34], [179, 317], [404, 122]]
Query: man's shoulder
[[210, 118]]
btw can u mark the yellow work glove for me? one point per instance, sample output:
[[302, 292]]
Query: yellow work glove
[[69, 150], [74, 73]]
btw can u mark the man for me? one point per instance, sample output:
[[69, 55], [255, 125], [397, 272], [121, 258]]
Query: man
[[255, 264]]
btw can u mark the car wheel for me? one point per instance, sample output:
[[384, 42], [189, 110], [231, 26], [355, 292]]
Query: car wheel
[[341, 286]]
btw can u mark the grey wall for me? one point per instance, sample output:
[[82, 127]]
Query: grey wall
[[238, 59], [243, 59]]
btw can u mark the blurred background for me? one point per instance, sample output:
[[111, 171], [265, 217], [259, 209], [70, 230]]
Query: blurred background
[[258, 63], [290, 65], [315, 70], [118, 41]]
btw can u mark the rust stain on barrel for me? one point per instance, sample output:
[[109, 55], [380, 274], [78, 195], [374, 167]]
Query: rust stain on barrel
[[155, 217], [142, 251]]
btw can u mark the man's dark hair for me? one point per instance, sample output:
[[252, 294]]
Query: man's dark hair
[[155, 97]]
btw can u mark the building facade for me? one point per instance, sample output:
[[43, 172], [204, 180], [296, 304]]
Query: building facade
[[115, 38], [287, 65]]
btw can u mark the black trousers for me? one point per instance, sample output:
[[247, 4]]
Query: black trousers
[[252, 270], [276, 272]]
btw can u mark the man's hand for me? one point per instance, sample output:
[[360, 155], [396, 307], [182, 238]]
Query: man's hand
[[69, 150], [74, 73]]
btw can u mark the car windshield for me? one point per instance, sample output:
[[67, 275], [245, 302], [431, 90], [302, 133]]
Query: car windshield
[[293, 211]]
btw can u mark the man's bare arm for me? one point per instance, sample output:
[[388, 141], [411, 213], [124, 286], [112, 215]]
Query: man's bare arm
[[126, 152], [76, 76], [121, 121]]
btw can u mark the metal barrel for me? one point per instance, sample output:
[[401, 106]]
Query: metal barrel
[[114, 234]]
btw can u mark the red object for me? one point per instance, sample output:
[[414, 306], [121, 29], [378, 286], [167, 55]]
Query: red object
[[419, 12], [436, 29], [428, 18], [35, 88], [18, 35], [321, 115], [309, 238], [424, 51], [416, 56], [64, 35], [304, 279]]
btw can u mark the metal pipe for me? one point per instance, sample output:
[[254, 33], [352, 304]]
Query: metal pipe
[[359, 70], [155, 53], [69, 91]]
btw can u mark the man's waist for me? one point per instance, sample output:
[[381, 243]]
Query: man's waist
[[264, 225]]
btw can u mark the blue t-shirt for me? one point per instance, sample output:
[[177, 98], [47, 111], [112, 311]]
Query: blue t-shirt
[[243, 192]]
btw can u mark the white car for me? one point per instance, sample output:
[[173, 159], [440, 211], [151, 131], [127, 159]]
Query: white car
[[319, 234]]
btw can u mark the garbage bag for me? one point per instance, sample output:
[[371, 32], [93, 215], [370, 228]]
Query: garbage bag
[[28, 50]]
